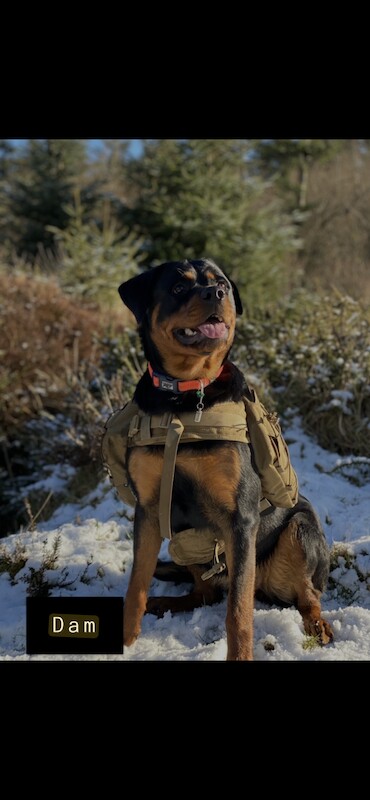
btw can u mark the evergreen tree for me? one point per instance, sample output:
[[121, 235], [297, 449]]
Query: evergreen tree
[[46, 174], [288, 163], [93, 259], [336, 235], [195, 198], [7, 161], [324, 185], [7, 150], [107, 171]]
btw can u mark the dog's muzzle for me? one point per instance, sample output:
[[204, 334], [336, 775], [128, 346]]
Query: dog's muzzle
[[214, 292]]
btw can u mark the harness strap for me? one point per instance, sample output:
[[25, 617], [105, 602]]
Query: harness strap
[[228, 423], [165, 498]]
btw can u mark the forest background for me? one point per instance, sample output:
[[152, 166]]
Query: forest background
[[288, 220]]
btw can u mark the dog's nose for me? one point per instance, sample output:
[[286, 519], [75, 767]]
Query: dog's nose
[[213, 292]]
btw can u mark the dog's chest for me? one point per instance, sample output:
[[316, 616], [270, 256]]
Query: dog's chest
[[205, 475]]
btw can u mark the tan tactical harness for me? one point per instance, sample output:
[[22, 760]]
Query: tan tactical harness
[[247, 421], [223, 421]]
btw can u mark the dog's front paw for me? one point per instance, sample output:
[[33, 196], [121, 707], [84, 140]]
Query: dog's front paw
[[131, 631]]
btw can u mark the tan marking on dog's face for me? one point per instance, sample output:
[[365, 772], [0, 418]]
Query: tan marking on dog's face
[[202, 360], [190, 274], [211, 275]]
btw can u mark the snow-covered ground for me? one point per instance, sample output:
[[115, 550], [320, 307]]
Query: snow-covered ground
[[89, 551]]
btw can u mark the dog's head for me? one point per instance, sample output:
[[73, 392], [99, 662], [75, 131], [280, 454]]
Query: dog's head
[[186, 314]]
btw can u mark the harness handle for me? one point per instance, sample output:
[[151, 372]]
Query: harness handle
[[173, 437]]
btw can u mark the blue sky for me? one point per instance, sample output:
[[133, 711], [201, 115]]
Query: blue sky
[[135, 146]]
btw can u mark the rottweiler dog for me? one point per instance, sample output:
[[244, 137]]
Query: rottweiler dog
[[186, 313]]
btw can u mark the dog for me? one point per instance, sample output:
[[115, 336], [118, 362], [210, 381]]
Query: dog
[[186, 313]]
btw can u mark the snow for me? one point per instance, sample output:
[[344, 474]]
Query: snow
[[91, 544]]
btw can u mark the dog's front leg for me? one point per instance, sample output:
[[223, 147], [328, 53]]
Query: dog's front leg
[[147, 543], [241, 563]]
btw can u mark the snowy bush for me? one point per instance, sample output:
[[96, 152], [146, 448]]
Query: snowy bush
[[312, 354]]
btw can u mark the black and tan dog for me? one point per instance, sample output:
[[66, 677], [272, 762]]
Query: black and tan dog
[[186, 314]]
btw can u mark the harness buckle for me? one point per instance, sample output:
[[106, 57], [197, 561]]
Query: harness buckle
[[215, 570], [218, 566]]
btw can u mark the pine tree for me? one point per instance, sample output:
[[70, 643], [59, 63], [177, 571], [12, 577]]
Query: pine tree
[[7, 161], [324, 186], [288, 163], [95, 258], [46, 174], [7, 150], [199, 197]]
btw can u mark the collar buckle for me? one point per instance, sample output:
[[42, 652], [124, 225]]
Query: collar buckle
[[168, 384]]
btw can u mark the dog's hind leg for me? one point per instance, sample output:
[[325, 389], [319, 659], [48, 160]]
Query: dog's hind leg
[[308, 604], [295, 574]]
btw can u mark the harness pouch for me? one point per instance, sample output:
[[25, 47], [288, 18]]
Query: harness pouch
[[114, 448], [195, 546], [278, 478]]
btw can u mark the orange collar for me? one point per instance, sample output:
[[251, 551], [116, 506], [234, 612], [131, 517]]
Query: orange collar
[[174, 385]]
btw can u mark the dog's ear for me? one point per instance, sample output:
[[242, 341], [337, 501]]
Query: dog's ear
[[136, 293], [238, 302]]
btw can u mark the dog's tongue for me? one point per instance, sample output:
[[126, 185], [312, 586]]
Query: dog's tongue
[[213, 330]]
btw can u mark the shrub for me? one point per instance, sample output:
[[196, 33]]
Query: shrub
[[312, 354], [46, 338], [54, 387]]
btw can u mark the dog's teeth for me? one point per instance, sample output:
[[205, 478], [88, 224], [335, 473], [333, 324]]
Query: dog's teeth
[[189, 332]]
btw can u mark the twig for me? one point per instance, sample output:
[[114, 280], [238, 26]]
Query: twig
[[31, 516]]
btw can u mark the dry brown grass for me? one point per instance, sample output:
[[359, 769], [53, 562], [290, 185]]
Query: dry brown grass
[[45, 336], [64, 365]]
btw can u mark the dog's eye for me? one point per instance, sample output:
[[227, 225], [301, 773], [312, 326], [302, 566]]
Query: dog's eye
[[178, 288]]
